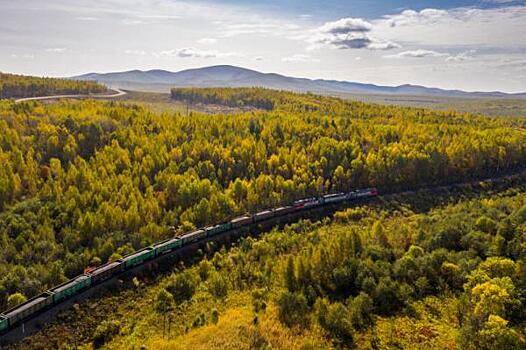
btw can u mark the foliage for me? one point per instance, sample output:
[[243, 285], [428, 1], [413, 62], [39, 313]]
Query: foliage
[[182, 287], [105, 332], [87, 182], [16, 86]]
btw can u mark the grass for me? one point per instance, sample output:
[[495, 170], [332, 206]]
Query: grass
[[503, 107]]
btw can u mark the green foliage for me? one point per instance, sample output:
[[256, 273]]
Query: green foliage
[[12, 85], [182, 286], [293, 309], [164, 301], [336, 320], [15, 299], [217, 286], [105, 333], [85, 182]]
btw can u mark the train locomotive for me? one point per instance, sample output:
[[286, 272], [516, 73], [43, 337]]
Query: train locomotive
[[16, 315]]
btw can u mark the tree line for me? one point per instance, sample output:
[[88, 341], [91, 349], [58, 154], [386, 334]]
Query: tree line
[[19, 86]]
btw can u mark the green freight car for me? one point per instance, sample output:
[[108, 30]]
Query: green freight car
[[214, 230], [3, 323], [167, 246], [193, 236], [70, 288], [138, 257]]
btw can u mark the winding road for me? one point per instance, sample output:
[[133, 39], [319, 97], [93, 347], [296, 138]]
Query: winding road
[[117, 93]]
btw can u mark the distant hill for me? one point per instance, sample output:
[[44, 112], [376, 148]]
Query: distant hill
[[232, 76]]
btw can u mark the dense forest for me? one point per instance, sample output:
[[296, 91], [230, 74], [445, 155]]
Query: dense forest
[[18, 86], [85, 182], [431, 270]]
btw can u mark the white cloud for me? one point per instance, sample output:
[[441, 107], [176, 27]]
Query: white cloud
[[300, 58], [417, 54], [420, 53], [89, 19], [346, 26], [131, 21], [25, 56], [189, 52], [56, 49], [348, 33], [207, 41], [411, 17], [458, 28], [267, 28], [135, 52], [461, 57]]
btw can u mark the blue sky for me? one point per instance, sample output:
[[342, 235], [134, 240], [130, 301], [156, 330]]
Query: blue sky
[[471, 45], [362, 8]]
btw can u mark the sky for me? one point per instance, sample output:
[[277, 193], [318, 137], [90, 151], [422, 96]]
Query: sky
[[453, 44]]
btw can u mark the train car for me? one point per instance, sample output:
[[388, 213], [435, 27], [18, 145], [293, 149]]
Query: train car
[[283, 210], [241, 221], [263, 215], [167, 246], [4, 323], [71, 287], [335, 198], [367, 192], [193, 236], [214, 230], [138, 257], [22, 311], [308, 203], [106, 271]]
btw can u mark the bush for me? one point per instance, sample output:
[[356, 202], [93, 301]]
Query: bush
[[293, 309], [105, 332], [217, 286], [336, 320], [182, 286]]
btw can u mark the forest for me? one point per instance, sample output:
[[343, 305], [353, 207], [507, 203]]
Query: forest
[[85, 182], [431, 270], [19, 86]]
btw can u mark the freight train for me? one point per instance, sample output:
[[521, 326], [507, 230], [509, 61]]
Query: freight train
[[15, 316]]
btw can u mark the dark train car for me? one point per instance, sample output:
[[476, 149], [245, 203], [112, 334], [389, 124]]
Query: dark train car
[[241, 221], [334, 198], [263, 215], [106, 271], [138, 257], [24, 310], [193, 236], [217, 229], [308, 203], [167, 245], [4, 323], [71, 287], [283, 210]]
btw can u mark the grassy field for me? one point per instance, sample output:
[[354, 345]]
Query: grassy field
[[161, 102], [485, 106]]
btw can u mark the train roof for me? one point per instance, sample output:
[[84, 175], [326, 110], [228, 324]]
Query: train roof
[[192, 233], [69, 283], [264, 212], [28, 304], [104, 268], [166, 241], [239, 218], [137, 253]]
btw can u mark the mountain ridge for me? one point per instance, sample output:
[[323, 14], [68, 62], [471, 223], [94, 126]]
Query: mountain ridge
[[234, 76]]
